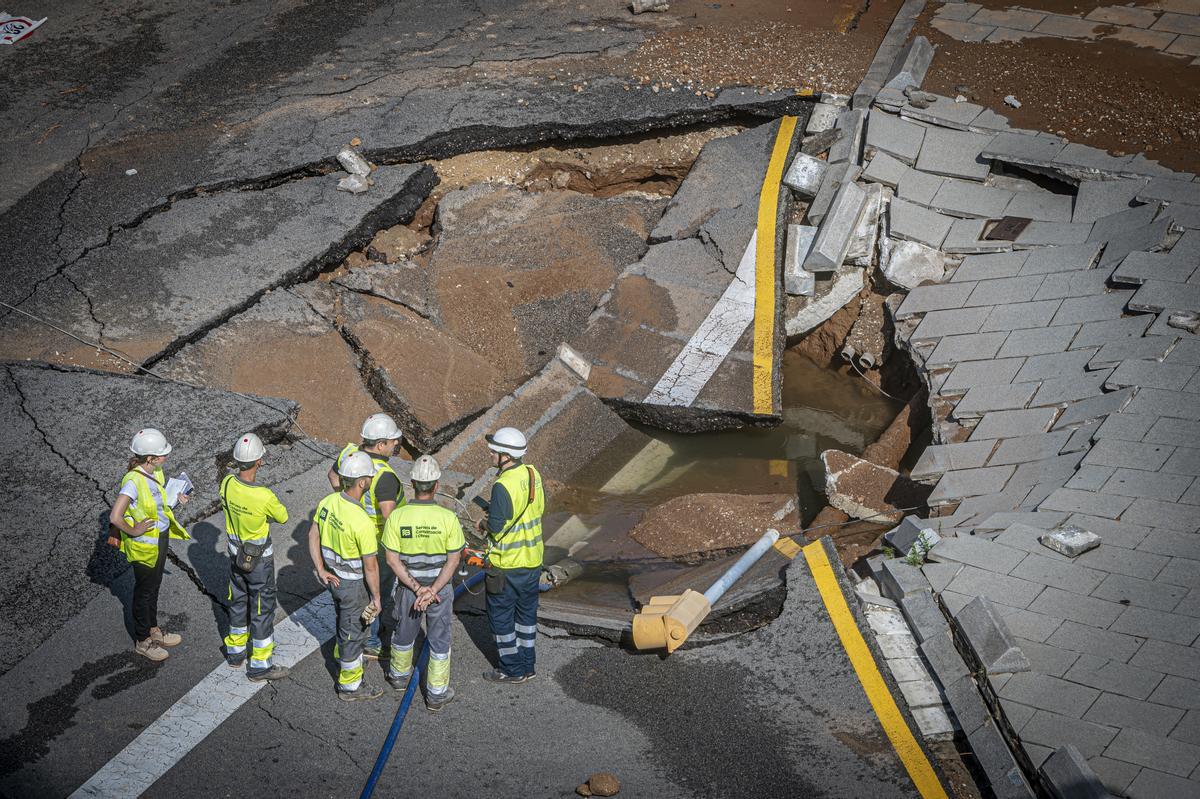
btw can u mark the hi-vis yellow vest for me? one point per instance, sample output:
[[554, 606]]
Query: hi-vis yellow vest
[[519, 544], [369, 503], [144, 548]]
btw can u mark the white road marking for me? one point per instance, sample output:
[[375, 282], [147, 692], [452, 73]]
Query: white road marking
[[698, 361], [201, 710]]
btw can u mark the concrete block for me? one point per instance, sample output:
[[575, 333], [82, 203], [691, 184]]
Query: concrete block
[[900, 579], [955, 154], [984, 267], [1070, 540], [1042, 206], [1140, 593], [905, 535], [1085, 610], [1052, 571], [922, 693], [1161, 295], [966, 238], [796, 279], [937, 459], [968, 199], [1061, 258], [966, 703], [994, 757], [1109, 675], [950, 322], [913, 222], [1152, 784], [895, 136], [939, 575], [971, 347], [1154, 752], [972, 482], [1122, 711], [862, 250], [1021, 315], [1159, 625], [997, 372], [1170, 190], [1093, 408], [1168, 658], [823, 117], [884, 169], [805, 174], [990, 640], [936, 297], [918, 187], [934, 722], [1099, 198], [943, 658], [1052, 729], [845, 286], [908, 264], [848, 149], [1009, 424], [945, 113], [835, 176], [924, 616], [1042, 234], [1023, 149], [1046, 658], [1049, 693], [911, 65]]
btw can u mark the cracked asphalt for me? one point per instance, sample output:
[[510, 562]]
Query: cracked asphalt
[[167, 167]]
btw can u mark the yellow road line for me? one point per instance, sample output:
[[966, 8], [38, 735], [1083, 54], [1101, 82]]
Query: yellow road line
[[765, 271], [884, 705]]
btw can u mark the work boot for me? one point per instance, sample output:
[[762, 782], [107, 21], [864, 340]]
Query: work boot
[[362, 694], [436, 702], [165, 639], [399, 683], [273, 673], [235, 663], [151, 651], [372, 652], [495, 675]]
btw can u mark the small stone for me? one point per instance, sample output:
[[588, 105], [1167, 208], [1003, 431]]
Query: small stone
[[604, 783], [584, 790], [1071, 540], [130, 172], [355, 184], [355, 142], [1189, 321], [1012, 101], [962, 89], [960, 99]]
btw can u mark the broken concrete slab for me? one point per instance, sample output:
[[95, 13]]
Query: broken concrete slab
[[822, 117], [406, 283], [983, 628], [397, 351], [964, 198], [699, 523], [863, 241], [884, 169], [1071, 540], [283, 347], [848, 149], [796, 279], [1024, 149], [943, 112], [149, 306], [966, 237], [866, 491], [516, 273], [833, 239], [804, 315], [1096, 199], [908, 264]]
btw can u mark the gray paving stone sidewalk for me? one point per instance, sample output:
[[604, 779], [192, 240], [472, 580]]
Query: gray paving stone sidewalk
[[1066, 398]]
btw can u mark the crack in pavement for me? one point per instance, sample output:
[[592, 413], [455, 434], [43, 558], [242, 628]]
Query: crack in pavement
[[284, 723]]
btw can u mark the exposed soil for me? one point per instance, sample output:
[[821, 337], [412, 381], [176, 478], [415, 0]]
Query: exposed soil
[[776, 44], [1108, 94], [699, 523]]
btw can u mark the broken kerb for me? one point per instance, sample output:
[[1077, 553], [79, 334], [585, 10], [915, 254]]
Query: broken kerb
[[667, 621]]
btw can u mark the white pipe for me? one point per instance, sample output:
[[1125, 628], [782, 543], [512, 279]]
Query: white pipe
[[723, 583]]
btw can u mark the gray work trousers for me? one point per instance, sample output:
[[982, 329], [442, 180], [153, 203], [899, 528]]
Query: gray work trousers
[[252, 610], [438, 620], [350, 599]]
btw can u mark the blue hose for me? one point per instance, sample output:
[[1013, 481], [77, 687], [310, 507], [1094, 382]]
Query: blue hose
[[402, 711]]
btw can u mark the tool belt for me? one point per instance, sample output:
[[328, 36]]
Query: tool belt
[[248, 555]]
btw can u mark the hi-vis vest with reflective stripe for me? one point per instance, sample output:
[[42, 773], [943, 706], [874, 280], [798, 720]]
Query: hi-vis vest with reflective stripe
[[369, 503], [519, 544], [144, 548], [423, 533], [346, 535], [249, 510]]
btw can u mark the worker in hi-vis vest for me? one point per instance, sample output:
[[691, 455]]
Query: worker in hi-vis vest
[[514, 530], [144, 524], [423, 543], [380, 439], [249, 511], [342, 544]]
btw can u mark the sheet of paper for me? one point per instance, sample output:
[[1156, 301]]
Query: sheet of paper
[[177, 486]]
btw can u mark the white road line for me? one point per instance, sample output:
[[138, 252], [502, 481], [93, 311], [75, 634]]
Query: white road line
[[698, 361], [201, 710]]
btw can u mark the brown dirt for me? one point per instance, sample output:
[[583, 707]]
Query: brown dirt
[[823, 345], [702, 522], [863, 489], [818, 44], [1107, 94]]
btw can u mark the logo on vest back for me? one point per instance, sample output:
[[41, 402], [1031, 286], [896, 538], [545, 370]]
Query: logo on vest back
[[406, 532], [324, 514]]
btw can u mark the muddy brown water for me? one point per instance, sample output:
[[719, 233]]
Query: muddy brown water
[[601, 505]]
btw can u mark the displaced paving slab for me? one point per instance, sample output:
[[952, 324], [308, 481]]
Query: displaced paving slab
[[674, 341], [69, 438], [159, 285]]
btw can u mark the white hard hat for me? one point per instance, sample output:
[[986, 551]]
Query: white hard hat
[[426, 470], [356, 465], [149, 442], [248, 448], [380, 427], [508, 440]]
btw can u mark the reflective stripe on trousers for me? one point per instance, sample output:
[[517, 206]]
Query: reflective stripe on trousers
[[439, 621], [350, 600], [252, 614]]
